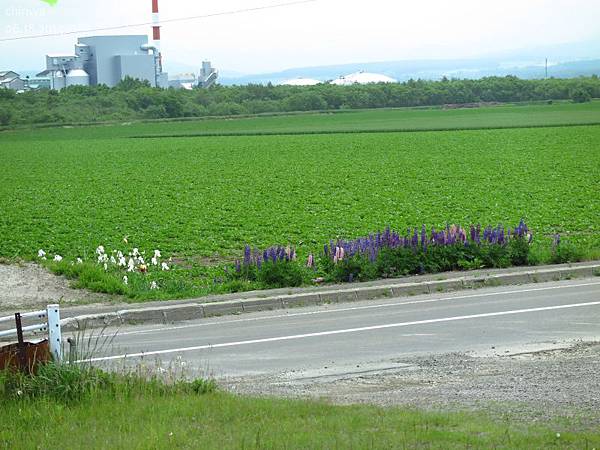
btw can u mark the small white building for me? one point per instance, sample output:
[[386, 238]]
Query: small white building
[[301, 82], [363, 78]]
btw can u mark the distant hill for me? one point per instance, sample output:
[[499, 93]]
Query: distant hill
[[428, 70], [566, 61]]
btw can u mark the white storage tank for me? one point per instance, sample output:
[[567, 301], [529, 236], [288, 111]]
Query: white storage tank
[[301, 82], [58, 80], [77, 77], [363, 78]]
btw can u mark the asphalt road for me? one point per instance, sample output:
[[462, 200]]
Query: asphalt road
[[371, 334]]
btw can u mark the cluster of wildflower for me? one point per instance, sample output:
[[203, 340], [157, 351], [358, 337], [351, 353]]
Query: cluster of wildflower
[[133, 261], [42, 256], [256, 258], [416, 239]]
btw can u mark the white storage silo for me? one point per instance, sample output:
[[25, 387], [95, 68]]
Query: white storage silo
[[77, 77], [58, 80]]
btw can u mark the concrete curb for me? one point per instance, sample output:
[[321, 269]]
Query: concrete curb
[[196, 310]]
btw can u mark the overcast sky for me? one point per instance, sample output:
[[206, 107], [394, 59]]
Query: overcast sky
[[319, 33]]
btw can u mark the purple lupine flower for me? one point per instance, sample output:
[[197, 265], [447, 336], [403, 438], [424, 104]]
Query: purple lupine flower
[[415, 239], [247, 255], [556, 242], [238, 266], [373, 254], [486, 233]]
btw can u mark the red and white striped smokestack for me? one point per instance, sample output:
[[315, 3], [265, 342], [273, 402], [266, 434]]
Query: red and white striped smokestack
[[155, 24]]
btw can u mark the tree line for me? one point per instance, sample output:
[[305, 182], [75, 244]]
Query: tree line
[[134, 99]]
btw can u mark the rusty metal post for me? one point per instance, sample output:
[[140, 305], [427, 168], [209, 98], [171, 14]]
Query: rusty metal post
[[22, 351]]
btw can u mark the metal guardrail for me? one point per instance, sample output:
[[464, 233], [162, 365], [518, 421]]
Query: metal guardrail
[[51, 326]]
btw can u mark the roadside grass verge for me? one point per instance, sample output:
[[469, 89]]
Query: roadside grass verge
[[150, 417], [259, 273], [152, 405]]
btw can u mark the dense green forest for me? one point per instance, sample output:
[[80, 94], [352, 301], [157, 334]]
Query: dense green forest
[[133, 99]]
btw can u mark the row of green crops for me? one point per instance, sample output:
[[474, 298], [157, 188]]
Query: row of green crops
[[401, 119]]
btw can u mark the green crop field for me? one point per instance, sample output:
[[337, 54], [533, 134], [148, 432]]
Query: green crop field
[[201, 199], [405, 119]]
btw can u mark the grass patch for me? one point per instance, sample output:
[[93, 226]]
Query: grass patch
[[153, 417]]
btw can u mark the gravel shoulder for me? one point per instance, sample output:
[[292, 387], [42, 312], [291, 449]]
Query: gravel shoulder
[[27, 286], [545, 383]]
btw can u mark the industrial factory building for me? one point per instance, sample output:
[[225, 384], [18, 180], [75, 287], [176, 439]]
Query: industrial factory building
[[11, 80], [106, 60]]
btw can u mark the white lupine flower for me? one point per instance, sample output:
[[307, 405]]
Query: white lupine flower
[[125, 279], [164, 266], [130, 265], [41, 254], [79, 261], [157, 253], [153, 286], [119, 254], [154, 261], [113, 260], [58, 258], [105, 267], [122, 261], [102, 258], [141, 260], [136, 252], [100, 250]]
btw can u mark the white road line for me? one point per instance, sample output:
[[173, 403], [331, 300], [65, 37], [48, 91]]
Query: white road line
[[352, 308], [335, 332]]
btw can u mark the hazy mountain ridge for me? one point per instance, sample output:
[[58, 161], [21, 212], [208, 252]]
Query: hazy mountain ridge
[[429, 70], [565, 61]]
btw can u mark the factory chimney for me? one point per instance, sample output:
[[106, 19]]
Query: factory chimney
[[156, 32]]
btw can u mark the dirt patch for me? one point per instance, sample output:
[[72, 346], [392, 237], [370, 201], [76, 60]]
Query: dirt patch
[[541, 386], [28, 285]]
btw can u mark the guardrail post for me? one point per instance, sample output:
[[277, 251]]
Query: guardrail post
[[54, 334], [21, 343]]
